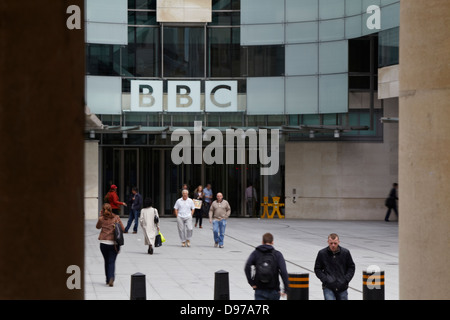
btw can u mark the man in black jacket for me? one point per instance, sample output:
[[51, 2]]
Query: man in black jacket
[[335, 268], [268, 264]]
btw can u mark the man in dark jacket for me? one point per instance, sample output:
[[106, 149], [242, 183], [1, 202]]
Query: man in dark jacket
[[335, 268], [391, 202], [135, 211], [268, 264]]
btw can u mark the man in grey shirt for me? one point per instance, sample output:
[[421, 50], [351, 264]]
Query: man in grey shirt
[[218, 214], [184, 210]]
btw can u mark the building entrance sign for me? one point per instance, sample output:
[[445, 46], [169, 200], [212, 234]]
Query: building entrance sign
[[183, 96]]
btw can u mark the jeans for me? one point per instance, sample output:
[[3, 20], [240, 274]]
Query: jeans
[[109, 254], [332, 295], [219, 231], [267, 294], [134, 216]]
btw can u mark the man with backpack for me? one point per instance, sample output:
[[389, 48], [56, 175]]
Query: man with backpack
[[268, 263]]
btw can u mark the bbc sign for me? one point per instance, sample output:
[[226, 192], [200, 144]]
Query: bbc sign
[[183, 96]]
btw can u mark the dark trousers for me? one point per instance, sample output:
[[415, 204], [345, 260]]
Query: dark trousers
[[198, 213], [388, 213], [109, 254]]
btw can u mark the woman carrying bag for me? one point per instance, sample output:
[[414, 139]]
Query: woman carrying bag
[[149, 221], [108, 246]]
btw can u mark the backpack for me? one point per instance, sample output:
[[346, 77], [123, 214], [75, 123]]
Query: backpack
[[266, 269]]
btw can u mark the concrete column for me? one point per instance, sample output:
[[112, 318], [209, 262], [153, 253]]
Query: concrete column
[[41, 151], [424, 150], [91, 179]]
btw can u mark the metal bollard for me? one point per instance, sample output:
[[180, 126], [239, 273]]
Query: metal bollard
[[137, 290], [373, 285], [221, 286], [298, 286]]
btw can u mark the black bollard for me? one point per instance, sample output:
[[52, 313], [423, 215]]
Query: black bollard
[[298, 286], [138, 291], [373, 285], [221, 286]]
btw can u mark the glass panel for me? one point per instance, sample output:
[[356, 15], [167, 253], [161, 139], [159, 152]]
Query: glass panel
[[390, 16], [106, 33], [301, 59], [329, 9], [141, 58], [262, 34], [142, 18], [302, 32], [353, 27], [333, 93], [331, 30], [142, 4], [226, 4], [102, 59], [265, 95], [225, 54], [184, 52], [388, 49], [353, 7], [113, 11], [302, 10], [104, 94], [261, 11], [302, 95], [333, 57], [265, 61]]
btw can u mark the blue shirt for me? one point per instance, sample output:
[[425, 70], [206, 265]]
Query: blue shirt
[[208, 193]]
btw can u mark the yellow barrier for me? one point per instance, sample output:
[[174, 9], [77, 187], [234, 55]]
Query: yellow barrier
[[276, 208]]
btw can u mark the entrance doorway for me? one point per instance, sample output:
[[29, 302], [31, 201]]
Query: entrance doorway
[[155, 175]]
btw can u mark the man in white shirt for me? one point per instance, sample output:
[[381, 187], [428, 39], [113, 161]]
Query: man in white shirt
[[184, 210]]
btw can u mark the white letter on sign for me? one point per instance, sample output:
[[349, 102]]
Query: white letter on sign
[[221, 96], [183, 96], [146, 96]]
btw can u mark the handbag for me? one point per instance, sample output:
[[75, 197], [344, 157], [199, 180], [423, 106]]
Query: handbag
[[158, 241], [118, 234]]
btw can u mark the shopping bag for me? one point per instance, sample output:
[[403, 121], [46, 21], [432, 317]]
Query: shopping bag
[[162, 237]]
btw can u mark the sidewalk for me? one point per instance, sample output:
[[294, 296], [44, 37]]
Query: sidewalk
[[177, 273]]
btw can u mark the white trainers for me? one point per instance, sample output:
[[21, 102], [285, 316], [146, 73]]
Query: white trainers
[[183, 244], [188, 243]]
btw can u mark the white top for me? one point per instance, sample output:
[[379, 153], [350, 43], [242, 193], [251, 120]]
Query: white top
[[184, 207]]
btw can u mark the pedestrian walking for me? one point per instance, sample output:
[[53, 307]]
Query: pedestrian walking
[[267, 264], [136, 206], [218, 214], [149, 220], [108, 248], [391, 202], [113, 199], [199, 196], [335, 268], [184, 210]]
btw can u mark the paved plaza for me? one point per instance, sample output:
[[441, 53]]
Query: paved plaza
[[177, 273]]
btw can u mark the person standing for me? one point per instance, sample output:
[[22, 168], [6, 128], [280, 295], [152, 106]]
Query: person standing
[[108, 248], [268, 264], [184, 210], [113, 199], [136, 206], [335, 268], [218, 214], [391, 202], [149, 220], [199, 195], [250, 199], [208, 195]]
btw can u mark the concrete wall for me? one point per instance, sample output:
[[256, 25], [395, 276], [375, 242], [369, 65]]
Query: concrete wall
[[342, 180], [91, 179]]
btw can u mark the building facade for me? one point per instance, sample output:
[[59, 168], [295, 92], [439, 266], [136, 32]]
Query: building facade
[[321, 74]]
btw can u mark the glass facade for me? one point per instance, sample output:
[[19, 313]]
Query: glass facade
[[296, 62]]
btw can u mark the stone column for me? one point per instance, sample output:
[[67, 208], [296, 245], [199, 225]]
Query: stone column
[[41, 150], [424, 150]]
